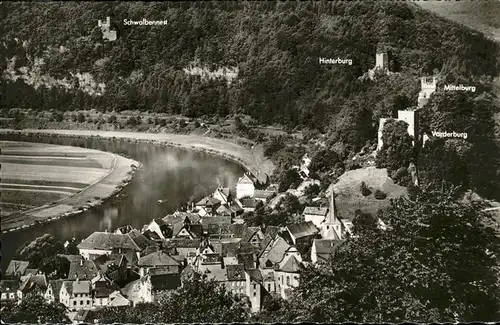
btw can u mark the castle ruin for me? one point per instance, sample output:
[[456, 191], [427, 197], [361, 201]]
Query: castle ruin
[[410, 115], [107, 33]]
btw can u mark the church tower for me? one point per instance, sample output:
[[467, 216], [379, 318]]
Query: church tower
[[332, 227]]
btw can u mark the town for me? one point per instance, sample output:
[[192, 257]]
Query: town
[[211, 238], [260, 162]]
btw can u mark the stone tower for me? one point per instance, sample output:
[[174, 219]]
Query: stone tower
[[107, 33], [428, 86], [382, 61], [410, 116]]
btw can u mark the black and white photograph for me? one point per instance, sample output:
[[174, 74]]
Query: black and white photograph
[[250, 161]]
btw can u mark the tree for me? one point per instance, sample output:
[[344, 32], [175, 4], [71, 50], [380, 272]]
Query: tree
[[324, 160], [379, 195], [363, 222], [40, 249], [426, 267], [290, 204], [397, 148], [55, 267], [365, 190], [132, 121], [111, 119], [201, 300], [289, 179], [445, 160], [80, 117], [312, 190], [57, 116], [35, 309]]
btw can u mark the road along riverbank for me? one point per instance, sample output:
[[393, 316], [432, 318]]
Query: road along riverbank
[[252, 160]]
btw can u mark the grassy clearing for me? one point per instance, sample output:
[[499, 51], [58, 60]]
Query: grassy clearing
[[349, 197], [52, 161]]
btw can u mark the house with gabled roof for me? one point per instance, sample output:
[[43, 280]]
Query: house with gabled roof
[[236, 282], [207, 206], [123, 230], [236, 208], [159, 227], [273, 253], [101, 293], [184, 247], [156, 261], [34, 284], [100, 243], [323, 249], [225, 210], [137, 291], [245, 187], [302, 231], [76, 295], [52, 294], [263, 195], [113, 266], [116, 299], [16, 268], [315, 214], [223, 194], [253, 235], [82, 270], [288, 274], [9, 290], [187, 230], [190, 216]]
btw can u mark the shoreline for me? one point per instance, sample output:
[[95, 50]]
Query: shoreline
[[119, 176], [251, 161]]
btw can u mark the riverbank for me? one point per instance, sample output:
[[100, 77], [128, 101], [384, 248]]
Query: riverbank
[[61, 165], [253, 160]]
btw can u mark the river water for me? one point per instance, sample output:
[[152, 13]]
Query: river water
[[171, 174]]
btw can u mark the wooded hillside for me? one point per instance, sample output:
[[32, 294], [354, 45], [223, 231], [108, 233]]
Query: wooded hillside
[[274, 46]]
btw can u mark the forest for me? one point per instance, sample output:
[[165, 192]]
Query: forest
[[274, 46]]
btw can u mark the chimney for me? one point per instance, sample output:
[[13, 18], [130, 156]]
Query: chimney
[[159, 246]]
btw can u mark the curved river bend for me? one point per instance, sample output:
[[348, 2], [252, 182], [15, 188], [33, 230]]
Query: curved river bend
[[175, 175]]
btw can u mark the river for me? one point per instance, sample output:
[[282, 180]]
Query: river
[[171, 174]]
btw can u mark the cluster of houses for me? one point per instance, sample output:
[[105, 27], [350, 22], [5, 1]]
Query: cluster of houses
[[130, 266]]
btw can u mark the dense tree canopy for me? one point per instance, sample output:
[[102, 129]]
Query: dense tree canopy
[[473, 161], [273, 46], [197, 301], [397, 148], [438, 261], [34, 309], [42, 254]]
